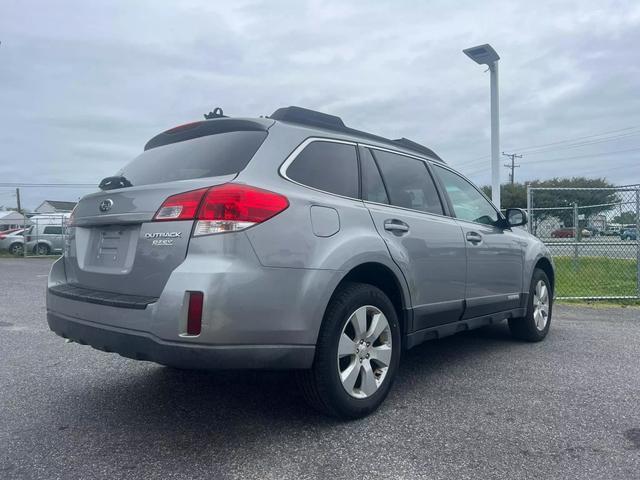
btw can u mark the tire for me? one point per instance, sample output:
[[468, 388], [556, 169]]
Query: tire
[[322, 386], [16, 249], [535, 325], [42, 249]]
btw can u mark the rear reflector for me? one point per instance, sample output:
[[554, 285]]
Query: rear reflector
[[182, 206], [194, 317]]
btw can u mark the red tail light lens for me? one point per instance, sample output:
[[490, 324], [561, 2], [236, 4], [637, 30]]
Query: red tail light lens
[[224, 208], [182, 206], [232, 207]]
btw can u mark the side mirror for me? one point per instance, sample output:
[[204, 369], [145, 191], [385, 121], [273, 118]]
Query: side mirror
[[516, 217]]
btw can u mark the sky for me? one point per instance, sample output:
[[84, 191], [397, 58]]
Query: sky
[[84, 85]]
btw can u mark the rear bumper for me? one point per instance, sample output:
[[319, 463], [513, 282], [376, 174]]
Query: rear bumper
[[144, 346]]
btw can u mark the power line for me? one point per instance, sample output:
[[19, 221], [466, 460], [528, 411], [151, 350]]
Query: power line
[[576, 157], [568, 140], [513, 165]]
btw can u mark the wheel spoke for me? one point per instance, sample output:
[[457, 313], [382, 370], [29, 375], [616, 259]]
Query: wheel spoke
[[537, 316], [382, 355], [378, 325], [346, 346], [350, 375], [359, 322], [368, 386], [544, 294]]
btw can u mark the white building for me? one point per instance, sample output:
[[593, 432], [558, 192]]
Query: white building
[[10, 219], [55, 206]]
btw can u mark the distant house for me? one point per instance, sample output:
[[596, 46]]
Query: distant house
[[55, 206], [10, 219]]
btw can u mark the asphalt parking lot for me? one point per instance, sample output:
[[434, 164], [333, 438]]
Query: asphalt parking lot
[[477, 405]]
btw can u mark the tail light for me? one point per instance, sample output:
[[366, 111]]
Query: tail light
[[224, 208], [182, 206]]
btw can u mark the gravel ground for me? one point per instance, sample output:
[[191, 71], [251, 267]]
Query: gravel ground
[[477, 405]]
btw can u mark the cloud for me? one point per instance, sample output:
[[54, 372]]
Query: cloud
[[84, 85]]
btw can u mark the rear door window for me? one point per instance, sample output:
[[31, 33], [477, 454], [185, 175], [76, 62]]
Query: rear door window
[[373, 188], [210, 156], [408, 182], [328, 166]]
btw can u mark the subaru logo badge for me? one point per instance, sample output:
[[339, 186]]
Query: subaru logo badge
[[106, 205]]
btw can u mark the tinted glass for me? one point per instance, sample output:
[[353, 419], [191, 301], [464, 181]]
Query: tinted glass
[[372, 185], [210, 156], [52, 230], [468, 203], [408, 182], [332, 167]]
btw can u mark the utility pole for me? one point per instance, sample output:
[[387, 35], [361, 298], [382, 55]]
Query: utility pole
[[513, 166], [18, 199]]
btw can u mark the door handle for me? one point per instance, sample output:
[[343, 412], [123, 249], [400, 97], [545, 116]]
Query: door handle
[[474, 237], [396, 226]]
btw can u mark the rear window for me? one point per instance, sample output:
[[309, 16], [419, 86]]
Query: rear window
[[52, 231], [210, 156]]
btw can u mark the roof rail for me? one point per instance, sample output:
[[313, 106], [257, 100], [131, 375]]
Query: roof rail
[[304, 116]]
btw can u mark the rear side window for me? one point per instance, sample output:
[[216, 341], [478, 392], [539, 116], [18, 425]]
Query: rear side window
[[331, 167], [220, 154], [408, 182], [372, 185], [52, 231]]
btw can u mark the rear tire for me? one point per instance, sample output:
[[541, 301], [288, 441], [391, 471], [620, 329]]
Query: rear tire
[[42, 249], [535, 325], [357, 353]]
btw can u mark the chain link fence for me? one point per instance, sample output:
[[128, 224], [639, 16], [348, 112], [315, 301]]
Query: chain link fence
[[592, 234], [44, 235]]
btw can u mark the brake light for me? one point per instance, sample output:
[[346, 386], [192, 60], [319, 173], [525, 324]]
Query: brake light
[[182, 206], [233, 207]]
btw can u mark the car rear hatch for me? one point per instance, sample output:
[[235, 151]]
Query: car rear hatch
[[115, 242]]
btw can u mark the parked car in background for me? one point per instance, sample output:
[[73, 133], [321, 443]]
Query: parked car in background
[[569, 232], [629, 234], [45, 236], [611, 231], [293, 242], [12, 241]]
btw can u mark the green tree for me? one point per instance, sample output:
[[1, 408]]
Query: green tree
[[549, 203], [625, 218]]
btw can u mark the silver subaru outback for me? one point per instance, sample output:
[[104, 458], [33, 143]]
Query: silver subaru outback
[[293, 242]]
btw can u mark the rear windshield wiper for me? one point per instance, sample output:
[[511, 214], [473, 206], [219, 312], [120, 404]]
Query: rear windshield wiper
[[111, 183]]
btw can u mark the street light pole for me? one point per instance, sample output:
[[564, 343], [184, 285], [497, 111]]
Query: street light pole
[[495, 135], [486, 55]]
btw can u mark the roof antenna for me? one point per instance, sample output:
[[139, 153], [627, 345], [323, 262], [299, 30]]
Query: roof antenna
[[217, 113]]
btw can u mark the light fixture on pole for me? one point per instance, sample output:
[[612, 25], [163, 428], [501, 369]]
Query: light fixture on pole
[[486, 55]]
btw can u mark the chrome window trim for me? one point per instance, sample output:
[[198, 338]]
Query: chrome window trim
[[296, 151]]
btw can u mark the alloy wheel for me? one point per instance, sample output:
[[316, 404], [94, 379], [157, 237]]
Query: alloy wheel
[[541, 305], [364, 351]]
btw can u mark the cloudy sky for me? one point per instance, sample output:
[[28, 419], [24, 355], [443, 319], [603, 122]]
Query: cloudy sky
[[83, 85]]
